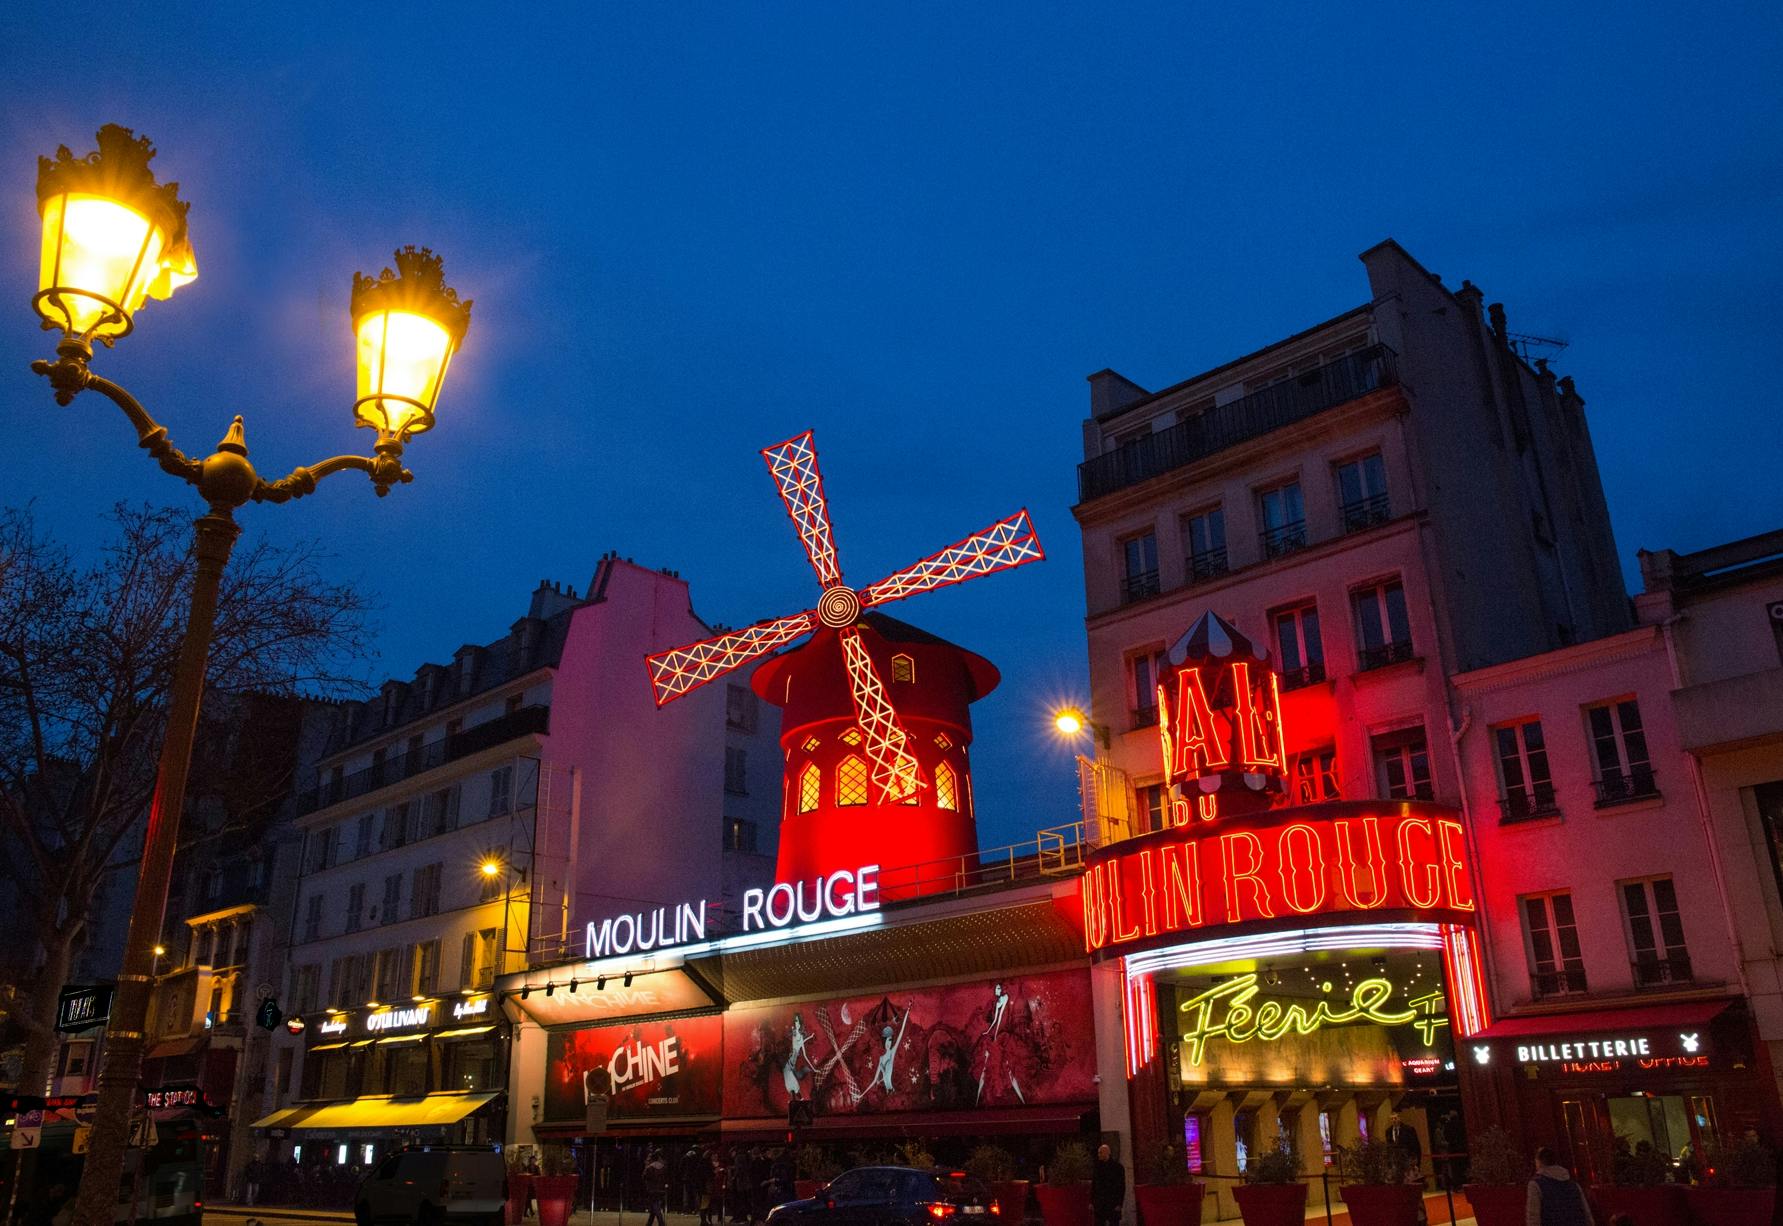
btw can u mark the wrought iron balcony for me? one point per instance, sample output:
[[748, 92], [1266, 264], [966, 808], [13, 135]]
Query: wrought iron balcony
[[1387, 653], [1366, 513], [1139, 585], [1567, 982], [1285, 539], [1637, 784], [1145, 717], [1526, 804], [1200, 567], [534, 719], [1305, 675], [1280, 404], [1660, 970]]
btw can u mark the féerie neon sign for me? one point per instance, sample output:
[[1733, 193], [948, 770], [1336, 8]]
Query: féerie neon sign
[[1226, 1011]]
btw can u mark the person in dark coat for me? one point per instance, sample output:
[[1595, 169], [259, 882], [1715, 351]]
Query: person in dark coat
[[1403, 1136], [1555, 1198], [1108, 1188], [656, 1189]]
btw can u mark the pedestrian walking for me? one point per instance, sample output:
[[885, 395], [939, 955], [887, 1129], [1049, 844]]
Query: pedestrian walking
[[1108, 1188], [252, 1175], [1555, 1198], [656, 1189]]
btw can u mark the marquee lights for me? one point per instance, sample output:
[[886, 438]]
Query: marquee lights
[[1265, 945], [1225, 1011]]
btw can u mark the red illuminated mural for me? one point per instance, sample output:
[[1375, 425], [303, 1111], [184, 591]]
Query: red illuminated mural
[[657, 1069], [1024, 1040], [1344, 856]]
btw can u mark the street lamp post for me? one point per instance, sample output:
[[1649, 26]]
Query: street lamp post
[[1102, 786], [113, 237]]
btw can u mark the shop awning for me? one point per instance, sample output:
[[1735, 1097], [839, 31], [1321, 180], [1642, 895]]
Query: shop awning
[[1640, 1017], [462, 1031], [379, 1112], [174, 1047]]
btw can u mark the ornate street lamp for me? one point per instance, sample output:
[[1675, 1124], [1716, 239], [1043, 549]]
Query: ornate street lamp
[[113, 238]]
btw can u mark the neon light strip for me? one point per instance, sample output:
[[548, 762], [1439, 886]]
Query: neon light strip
[[1141, 1024], [1467, 981], [676, 956], [1282, 944]]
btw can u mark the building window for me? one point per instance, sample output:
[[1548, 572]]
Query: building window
[[390, 911], [306, 982], [852, 736], [943, 741], [393, 965], [1284, 519], [739, 834], [1139, 567], [1524, 787], [256, 871], [355, 905], [427, 967], [1151, 807], [366, 842], [1551, 941], [1655, 932], [1402, 765], [424, 891], [312, 919], [947, 788], [810, 788], [1362, 493], [1204, 534], [470, 1065], [513, 703], [396, 827], [340, 981], [1768, 797], [739, 707], [1383, 633], [736, 771], [1302, 652], [851, 781], [1143, 673], [501, 791], [1619, 753], [476, 967], [903, 668], [1314, 775]]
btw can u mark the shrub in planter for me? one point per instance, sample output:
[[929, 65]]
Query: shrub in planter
[[1166, 1193], [815, 1168], [1497, 1179], [1378, 1184], [1738, 1187], [996, 1166], [1065, 1196], [1272, 1194], [1638, 1188]]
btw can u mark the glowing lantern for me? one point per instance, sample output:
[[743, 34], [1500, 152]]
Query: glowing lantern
[[112, 237], [407, 324], [1219, 724]]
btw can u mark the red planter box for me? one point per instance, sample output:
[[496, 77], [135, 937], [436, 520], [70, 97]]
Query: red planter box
[[1731, 1206], [1066, 1206], [1170, 1204], [1394, 1204], [1012, 1198], [1271, 1204], [1497, 1204], [519, 1191], [556, 1195], [1661, 1205]]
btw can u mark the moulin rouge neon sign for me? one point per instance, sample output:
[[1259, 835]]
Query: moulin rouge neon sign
[[1228, 1011]]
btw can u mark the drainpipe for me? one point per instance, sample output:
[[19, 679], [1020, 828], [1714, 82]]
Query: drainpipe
[[1487, 955]]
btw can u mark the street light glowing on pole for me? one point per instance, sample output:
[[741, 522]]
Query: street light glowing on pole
[[1069, 721]]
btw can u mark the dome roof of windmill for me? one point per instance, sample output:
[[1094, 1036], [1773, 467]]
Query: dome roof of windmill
[[944, 673]]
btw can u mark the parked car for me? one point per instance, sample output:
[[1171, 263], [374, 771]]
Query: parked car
[[434, 1185], [892, 1196]]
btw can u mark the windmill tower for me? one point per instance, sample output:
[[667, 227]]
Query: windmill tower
[[835, 691]]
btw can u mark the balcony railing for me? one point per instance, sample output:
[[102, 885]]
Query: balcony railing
[[1270, 408], [1366, 513], [1305, 675], [1145, 717], [1568, 982], [1637, 784], [534, 719], [1139, 585], [1660, 970], [1526, 804], [1285, 539], [1387, 653], [1200, 567]]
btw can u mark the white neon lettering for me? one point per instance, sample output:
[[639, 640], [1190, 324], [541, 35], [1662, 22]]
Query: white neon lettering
[[393, 1018], [777, 916], [845, 907], [631, 933], [690, 925], [752, 900], [815, 911], [866, 887]]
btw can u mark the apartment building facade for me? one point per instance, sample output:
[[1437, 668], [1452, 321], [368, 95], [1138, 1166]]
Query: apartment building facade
[[456, 825]]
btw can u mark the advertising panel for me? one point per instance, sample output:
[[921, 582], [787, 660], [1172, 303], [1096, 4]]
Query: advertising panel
[[655, 1069], [1021, 1041]]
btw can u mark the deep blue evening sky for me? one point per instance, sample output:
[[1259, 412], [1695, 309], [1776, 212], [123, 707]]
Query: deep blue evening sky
[[694, 230]]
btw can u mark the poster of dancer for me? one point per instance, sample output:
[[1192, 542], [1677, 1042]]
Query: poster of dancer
[[1020, 1040], [657, 1069]]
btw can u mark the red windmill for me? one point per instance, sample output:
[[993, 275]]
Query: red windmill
[[1008, 542]]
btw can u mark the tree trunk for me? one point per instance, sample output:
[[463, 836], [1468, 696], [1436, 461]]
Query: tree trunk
[[39, 1016]]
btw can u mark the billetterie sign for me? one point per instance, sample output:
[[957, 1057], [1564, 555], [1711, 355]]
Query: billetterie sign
[[781, 905], [1337, 857]]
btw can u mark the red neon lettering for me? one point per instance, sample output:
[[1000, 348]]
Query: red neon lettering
[[1207, 806], [1119, 929], [1252, 875], [1095, 909], [1197, 746], [1148, 895], [1166, 746], [1259, 722], [1412, 867], [1372, 862], [1182, 886], [1303, 869], [1453, 842], [1180, 811]]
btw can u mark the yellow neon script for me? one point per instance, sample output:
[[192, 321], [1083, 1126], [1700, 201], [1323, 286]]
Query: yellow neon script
[[1242, 1021]]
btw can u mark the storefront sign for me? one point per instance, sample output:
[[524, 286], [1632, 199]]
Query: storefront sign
[[645, 1069], [476, 1007], [399, 1019], [1339, 857], [336, 1024], [79, 1008], [1603, 1053], [170, 1098], [844, 892], [1230, 1011]]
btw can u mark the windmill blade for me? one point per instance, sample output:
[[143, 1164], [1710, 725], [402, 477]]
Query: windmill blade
[[1006, 543], [895, 772], [680, 669], [794, 466]]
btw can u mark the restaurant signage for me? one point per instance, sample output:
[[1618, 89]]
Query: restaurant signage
[[399, 1019], [81, 1007]]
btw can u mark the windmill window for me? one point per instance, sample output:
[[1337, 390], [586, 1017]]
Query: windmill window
[[810, 789], [851, 782], [903, 668], [942, 741], [947, 791], [811, 744], [852, 737]]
